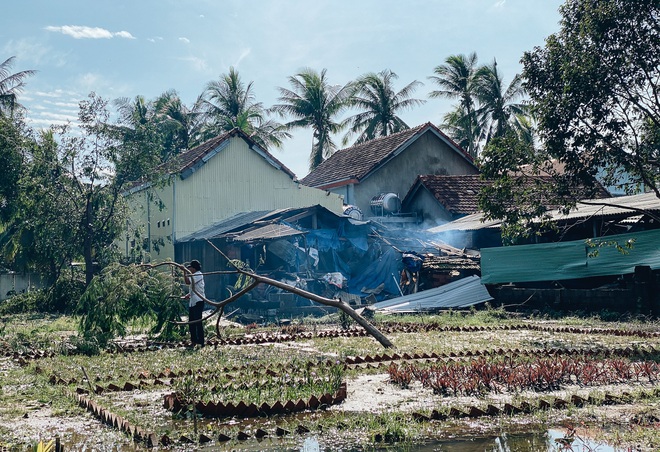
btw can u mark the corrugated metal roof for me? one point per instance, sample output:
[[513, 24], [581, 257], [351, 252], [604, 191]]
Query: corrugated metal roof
[[462, 293], [620, 205], [236, 221], [269, 231], [467, 223]]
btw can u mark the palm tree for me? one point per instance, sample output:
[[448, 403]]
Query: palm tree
[[313, 102], [141, 141], [179, 124], [457, 80], [10, 86], [499, 110], [228, 103], [375, 96], [460, 127]]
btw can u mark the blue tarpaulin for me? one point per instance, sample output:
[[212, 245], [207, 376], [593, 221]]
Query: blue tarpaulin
[[384, 270]]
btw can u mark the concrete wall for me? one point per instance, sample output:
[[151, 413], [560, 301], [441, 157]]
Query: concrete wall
[[433, 214], [427, 155], [237, 179], [18, 282]]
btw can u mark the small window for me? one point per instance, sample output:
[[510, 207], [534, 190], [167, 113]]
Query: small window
[[159, 224], [168, 221]]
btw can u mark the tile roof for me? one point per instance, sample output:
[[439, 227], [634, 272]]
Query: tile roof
[[356, 162], [457, 194]]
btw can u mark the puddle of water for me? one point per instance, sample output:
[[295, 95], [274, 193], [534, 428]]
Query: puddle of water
[[549, 441], [552, 440]]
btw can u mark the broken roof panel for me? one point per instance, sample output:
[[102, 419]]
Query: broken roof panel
[[231, 223], [472, 222], [462, 293], [267, 232]]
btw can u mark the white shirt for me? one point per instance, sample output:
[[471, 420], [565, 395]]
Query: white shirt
[[198, 279]]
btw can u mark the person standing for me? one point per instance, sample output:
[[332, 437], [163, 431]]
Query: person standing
[[195, 298]]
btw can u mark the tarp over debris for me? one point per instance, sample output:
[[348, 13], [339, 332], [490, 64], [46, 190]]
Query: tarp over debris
[[462, 293], [570, 260]]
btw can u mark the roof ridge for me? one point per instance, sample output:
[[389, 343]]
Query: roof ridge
[[390, 136]]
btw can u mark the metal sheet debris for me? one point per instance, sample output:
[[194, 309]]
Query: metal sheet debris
[[462, 293]]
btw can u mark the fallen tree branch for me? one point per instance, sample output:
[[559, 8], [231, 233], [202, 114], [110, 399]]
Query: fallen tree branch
[[337, 303]]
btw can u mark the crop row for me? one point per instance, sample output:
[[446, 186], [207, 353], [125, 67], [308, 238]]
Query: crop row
[[481, 376]]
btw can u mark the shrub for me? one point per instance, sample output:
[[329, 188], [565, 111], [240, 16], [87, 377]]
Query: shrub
[[61, 297], [120, 294]]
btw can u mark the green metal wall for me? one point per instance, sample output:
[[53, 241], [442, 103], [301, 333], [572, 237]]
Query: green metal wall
[[569, 260]]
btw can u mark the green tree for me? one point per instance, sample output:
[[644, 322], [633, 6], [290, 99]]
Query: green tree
[[228, 103], [178, 124], [39, 236], [499, 110], [71, 206], [313, 102], [139, 140], [457, 79], [120, 294], [594, 91], [524, 185], [13, 141], [379, 106], [11, 84]]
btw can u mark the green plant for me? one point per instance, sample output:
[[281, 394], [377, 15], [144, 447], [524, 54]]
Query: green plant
[[120, 294], [82, 346], [45, 447]]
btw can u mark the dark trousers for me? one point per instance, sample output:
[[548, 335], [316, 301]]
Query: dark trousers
[[196, 329]]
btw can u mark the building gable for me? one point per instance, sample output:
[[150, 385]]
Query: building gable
[[222, 177], [356, 163]]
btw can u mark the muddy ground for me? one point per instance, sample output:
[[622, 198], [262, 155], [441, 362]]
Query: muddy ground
[[35, 420]]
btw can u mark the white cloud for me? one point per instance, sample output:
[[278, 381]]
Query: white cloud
[[242, 56], [70, 104], [154, 39], [185, 40], [90, 82], [499, 4], [58, 93], [83, 32], [124, 34]]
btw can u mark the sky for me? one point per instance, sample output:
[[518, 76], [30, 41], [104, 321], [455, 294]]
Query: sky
[[120, 48]]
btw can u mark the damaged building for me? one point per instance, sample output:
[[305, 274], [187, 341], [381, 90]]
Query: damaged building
[[603, 255]]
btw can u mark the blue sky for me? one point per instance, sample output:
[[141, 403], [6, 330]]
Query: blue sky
[[144, 47]]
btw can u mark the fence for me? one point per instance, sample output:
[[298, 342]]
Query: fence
[[12, 283]]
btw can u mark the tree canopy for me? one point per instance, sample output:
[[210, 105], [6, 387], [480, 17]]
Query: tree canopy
[[313, 102], [487, 108], [379, 106], [594, 91], [10, 85], [229, 103]]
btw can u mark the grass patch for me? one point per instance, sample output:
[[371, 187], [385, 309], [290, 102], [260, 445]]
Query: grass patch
[[289, 370]]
